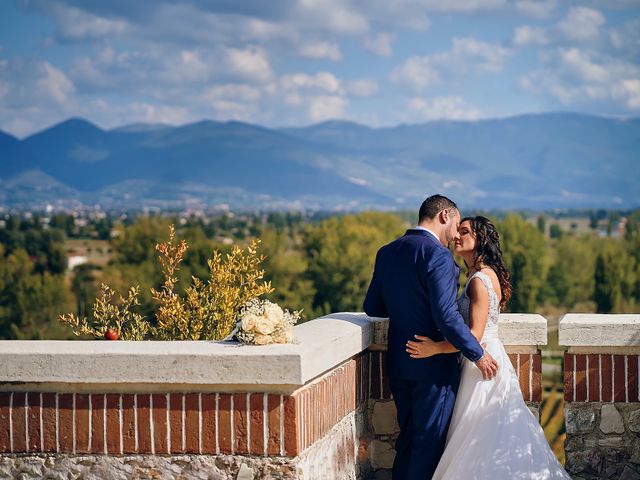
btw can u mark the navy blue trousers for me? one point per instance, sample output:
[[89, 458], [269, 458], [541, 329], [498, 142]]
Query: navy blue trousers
[[424, 413]]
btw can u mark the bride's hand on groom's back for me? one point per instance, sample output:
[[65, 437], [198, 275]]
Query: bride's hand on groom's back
[[423, 347], [487, 366]]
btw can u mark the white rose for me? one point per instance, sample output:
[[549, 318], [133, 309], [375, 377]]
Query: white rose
[[274, 312], [285, 336], [262, 339], [249, 321], [265, 325]]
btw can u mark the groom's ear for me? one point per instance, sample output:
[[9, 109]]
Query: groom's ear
[[444, 216]]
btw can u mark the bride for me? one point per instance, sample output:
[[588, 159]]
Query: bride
[[492, 435]]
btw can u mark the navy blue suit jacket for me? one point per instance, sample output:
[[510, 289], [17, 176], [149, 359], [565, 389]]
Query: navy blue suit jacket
[[415, 284]]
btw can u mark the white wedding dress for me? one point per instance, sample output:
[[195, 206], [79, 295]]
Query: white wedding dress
[[493, 435]]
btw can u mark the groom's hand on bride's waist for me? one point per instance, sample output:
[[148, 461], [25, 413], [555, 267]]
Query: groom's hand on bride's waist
[[487, 366]]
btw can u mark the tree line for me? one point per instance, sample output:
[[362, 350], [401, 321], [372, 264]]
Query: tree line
[[321, 264]]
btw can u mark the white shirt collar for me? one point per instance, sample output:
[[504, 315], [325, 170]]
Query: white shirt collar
[[427, 230]]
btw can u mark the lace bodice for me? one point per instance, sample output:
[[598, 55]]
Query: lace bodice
[[491, 329]]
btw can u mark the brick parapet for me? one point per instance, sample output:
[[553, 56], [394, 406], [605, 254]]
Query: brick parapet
[[254, 423], [602, 395]]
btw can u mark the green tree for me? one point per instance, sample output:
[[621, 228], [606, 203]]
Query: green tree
[[136, 243], [570, 278], [606, 295], [526, 254], [614, 278], [555, 231], [593, 220], [286, 268], [341, 253], [30, 301], [85, 288]]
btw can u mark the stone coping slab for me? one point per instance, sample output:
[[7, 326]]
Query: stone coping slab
[[600, 330], [513, 329], [319, 345]]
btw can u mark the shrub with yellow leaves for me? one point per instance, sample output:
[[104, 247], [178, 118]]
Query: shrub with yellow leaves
[[111, 319], [207, 311]]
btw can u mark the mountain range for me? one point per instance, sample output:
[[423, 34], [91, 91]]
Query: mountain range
[[538, 161]]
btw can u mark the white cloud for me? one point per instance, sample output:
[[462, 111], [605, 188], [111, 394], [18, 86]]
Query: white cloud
[[321, 96], [380, 44], [629, 92], [77, 24], [258, 29], [190, 67], [626, 39], [536, 8], [580, 65], [33, 82], [526, 35], [240, 92], [326, 107], [20, 127], [54, 83], [578, 77], [364, 87], [485, 56], [467, 55], [582, 24], [149, 113], [323, 81], [417, 73], [321, 50], [334, 16], [452, 184], [251, 63], [441, 108], [462, 6]]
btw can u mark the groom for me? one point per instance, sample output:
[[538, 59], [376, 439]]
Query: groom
[[415, 283]]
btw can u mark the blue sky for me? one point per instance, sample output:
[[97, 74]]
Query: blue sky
[[298, 62]]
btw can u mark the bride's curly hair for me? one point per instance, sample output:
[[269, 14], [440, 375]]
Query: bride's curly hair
[[488, 251]]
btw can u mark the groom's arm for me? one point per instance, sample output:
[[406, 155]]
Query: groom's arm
[[374, 303], [441, 281]]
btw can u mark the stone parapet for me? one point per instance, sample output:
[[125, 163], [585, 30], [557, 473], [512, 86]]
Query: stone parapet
[[301, 405], [514, 329], [319, 346], [602, 395], [318, 408], [173, 423], [590, 331]]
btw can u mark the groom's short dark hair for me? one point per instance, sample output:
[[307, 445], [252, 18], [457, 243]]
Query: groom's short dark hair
[[434, 205]]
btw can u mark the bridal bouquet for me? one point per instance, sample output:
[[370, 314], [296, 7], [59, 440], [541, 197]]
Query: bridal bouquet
[[263, 322]]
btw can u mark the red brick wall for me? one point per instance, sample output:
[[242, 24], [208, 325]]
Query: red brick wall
[[528, 367], [601, 378], [200, 423], [206, 423]]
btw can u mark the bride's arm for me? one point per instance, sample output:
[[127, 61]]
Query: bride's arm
[[478, 314]]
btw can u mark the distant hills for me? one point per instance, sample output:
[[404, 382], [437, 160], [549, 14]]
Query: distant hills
[[533, 161]]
